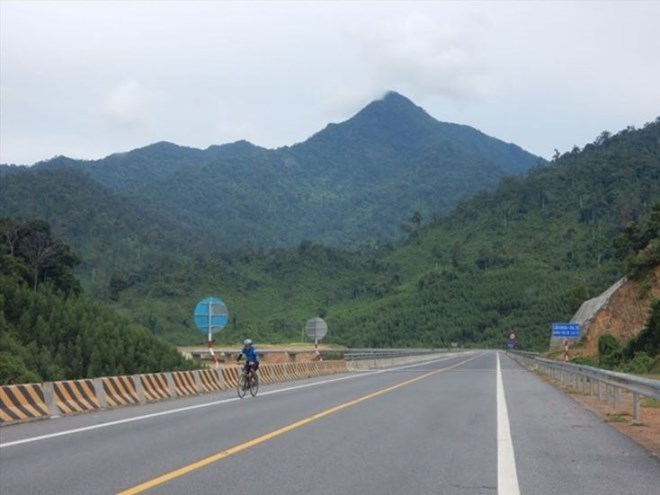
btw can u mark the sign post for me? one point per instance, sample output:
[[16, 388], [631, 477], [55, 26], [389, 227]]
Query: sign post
[[211, 316], [316, 329], [566, 331]]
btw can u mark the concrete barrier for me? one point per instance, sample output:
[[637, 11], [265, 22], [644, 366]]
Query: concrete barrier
[[266, 374], [156, 387], [338, 366], [278, 370], [184, 383], [120, 391], [291, 371], [75, 396], [22, 403], [230, 375], [210, 381], [306, 370]]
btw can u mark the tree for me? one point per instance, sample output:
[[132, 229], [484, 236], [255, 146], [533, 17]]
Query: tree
[[46, 258], [13, 230], [37, 250]]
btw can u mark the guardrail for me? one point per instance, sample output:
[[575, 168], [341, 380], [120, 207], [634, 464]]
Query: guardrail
[[378, 358], [291, 355], [359, 354], [594, 381]]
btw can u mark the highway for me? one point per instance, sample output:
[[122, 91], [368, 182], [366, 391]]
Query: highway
[[469, 423]]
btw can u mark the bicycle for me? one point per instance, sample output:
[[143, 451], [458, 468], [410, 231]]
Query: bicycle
[[245, 383]]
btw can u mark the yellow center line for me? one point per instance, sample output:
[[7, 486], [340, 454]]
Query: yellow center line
[[276, 433]]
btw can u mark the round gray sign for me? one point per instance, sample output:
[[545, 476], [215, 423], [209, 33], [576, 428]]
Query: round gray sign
[[316, 328]]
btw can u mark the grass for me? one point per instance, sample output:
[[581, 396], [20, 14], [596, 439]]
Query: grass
[[654, 403], [617, 417]]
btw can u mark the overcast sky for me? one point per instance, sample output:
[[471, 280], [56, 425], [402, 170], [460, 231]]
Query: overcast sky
[[87, 79]]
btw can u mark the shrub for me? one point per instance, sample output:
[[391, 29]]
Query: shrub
[[639, 365], [609, 351], [585, 360]]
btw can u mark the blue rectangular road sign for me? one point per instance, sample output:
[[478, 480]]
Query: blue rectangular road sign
[[570, 330]]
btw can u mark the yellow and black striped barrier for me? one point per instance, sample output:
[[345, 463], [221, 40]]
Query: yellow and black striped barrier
[[230, 376], [184, 383], [155, 386], [75, 396], [210, 381], [120, 391], [22, 403]]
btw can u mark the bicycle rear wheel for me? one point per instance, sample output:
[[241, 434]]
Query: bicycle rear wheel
[[254, 385], [242, 385]]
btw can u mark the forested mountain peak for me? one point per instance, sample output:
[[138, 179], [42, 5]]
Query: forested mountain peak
[[393, 107], [394, 130], [239, 193], [240, 146], [158, 149], [393, 121]]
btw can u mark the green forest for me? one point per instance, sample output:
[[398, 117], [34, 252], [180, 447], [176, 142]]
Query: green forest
[[516, 258], [50, 331]]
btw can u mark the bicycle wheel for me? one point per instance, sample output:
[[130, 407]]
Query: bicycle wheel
[[254, 385], [242, 385]]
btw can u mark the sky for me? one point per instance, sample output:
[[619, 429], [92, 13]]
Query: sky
[[86, 79]]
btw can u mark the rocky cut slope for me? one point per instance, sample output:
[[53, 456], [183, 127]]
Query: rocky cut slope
[[621, 311]]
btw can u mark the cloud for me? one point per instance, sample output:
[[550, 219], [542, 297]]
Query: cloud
[[423, 52], [126, 105]]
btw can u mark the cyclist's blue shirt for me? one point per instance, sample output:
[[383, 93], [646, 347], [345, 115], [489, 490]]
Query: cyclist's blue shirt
[[250, 354]]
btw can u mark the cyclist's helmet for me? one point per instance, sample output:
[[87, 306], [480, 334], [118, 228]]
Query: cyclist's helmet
[[247, 342]]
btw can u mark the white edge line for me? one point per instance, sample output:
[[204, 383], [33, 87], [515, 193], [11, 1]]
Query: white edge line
[[507, 476]]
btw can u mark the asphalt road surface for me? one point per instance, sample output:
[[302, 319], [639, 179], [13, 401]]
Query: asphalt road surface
[[471, 423]]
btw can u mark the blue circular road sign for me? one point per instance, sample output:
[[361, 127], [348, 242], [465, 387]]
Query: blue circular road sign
[[211, 315]]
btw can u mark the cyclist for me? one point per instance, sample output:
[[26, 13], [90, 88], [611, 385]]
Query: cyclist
[[251, 358]]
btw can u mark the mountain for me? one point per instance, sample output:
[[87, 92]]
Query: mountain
[[352, 184], [391, 160]]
